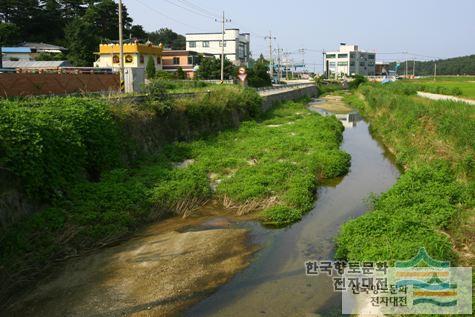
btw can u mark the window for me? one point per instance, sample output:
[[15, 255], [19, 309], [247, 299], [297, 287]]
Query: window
[[361, 63], [352, 63], [205, 43], [342, 55], [331, 55], [159, 60], [192, 43], [221, 43], [371, 56], [332, 64], [342, 63], [176, 61], [190, 60], [352, 55], [370, 63]]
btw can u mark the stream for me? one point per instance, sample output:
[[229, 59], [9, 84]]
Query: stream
[[275, 283]]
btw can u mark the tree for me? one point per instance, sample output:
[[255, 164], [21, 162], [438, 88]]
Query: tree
[[104, 15], [210, 68], [258, 74], [137, 32], [8, 34], [81, 41], [168, 38], [150, 68], [180, 74]]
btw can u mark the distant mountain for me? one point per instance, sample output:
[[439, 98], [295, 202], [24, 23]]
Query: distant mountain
[[464, 65]]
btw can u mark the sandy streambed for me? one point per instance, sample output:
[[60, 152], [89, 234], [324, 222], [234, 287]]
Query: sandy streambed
[[168, 267]]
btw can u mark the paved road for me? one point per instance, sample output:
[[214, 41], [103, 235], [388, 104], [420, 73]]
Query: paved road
[[444, 97]]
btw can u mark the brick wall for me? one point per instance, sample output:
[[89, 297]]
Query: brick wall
[[14, 85]]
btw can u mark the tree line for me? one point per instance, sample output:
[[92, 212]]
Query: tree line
[[464, 65], [78, 25]]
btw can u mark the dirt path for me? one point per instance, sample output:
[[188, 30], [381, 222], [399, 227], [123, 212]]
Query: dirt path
[[444, 97], [167, 268]]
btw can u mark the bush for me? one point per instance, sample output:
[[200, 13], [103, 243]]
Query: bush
[[357, 81], [54, 142], [150, 68], [406, 218]]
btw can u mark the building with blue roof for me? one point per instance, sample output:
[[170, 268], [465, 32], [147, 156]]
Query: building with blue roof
[[16, 54]]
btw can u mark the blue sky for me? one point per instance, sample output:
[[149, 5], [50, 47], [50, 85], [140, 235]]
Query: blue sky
[[433, 28]]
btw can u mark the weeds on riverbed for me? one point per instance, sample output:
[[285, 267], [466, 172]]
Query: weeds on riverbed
[[272, 165], [434, 142]]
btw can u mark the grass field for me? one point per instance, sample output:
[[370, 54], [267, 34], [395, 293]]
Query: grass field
[[465, 84]]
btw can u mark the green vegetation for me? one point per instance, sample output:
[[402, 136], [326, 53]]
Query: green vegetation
[[325, 87], [50, 143], [464, 65], [272, 165], [150, 69], [412, 87], [434, 142], [258, 73], [456, 86], [210, 68]]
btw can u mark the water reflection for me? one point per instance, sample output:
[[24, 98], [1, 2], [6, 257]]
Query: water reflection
[[349, 120]]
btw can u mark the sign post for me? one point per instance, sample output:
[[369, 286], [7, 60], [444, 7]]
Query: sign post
[[242, 75]]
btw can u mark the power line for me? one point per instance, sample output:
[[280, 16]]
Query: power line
[[199, 8], [208, 16], [167, 16]]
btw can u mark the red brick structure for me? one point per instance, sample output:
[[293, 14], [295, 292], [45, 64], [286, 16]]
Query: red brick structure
[[15, 85]]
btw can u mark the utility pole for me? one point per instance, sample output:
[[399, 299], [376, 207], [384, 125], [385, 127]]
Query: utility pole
[[302, 51], [223, 43], [121, 49], [325, 70], [406, 66], [435, 71], [279, 68], [271, 60], [414, 69]]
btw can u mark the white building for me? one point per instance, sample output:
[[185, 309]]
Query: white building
[[236, 45], [349, 61]]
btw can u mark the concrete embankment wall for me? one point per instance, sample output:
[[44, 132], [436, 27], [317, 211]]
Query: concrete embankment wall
[[270, 100]]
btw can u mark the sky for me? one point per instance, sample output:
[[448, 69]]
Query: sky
[[427, 29]]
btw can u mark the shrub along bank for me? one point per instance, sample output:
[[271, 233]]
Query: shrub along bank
[[271, 166], [434, 142]]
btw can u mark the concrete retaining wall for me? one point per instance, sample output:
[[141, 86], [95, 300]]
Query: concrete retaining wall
[[272, 99]]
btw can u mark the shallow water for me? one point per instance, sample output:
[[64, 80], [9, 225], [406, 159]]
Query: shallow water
[[275, 283]]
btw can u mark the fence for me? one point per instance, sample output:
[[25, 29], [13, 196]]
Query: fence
[[18, 85]]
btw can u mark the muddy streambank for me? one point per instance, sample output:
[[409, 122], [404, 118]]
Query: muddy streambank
[[159, 272]]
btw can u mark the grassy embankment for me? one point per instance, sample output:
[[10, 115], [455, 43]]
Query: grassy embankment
[[456, 86], [432, 204], [66, 153]]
